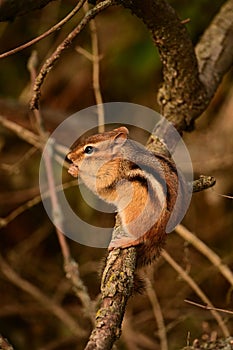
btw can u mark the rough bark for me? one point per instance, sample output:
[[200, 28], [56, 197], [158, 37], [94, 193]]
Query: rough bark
[[182, 95], [189, 80], [116, 288], [214, 50]]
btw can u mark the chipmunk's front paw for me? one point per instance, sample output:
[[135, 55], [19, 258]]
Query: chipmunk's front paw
[[73, 170]]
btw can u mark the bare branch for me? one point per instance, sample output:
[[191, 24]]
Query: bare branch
[[182, 95], [206, 251], [95, 58], [96, 75], [45, 34], [207, 307], [72, 273], [158, 314], [70, 266], [214, 50], [47, 302], [50, 62], [116, 288], [189, 82], [15, 167], [21, 132], [4, 221], [197, 290]]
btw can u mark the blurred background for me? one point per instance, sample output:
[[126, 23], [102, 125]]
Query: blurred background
[[130, 71]]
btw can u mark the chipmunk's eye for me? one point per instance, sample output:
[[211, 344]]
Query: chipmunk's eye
[[89, 149]]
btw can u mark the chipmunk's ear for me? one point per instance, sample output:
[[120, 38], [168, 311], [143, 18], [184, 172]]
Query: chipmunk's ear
[[121, 135]]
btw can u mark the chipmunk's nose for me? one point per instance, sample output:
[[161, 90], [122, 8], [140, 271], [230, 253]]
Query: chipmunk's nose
[[70, 157]]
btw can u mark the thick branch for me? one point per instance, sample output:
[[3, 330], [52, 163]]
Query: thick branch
[[116, 288], [214, 50], [182, 96], [189, 82]]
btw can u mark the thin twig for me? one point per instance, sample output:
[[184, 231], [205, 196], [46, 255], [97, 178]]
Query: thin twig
[[206, 251], [223, 195], [70, 266], [207, 307], [95, 58], [50, 62], [29, 244], [32, 68], [32, 65], [72, 273], [4, 221], [84, 52], [96, 73], [29, 136], [134, 339], [197, 290], [15, 167], [45, 34], [21, 132], [36, 293], [157, 313]]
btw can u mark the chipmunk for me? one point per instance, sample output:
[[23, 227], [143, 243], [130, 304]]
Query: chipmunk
[[142, 185]]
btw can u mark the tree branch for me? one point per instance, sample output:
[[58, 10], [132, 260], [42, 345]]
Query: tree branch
[[206, 251], [198, 291], [214, 50], [203, 183], [182, 96], [56, 27], [116, 288], [50, 62], [189, 81], [43, 299]]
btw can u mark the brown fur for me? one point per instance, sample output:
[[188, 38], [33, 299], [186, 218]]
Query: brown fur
[[118, 171]]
